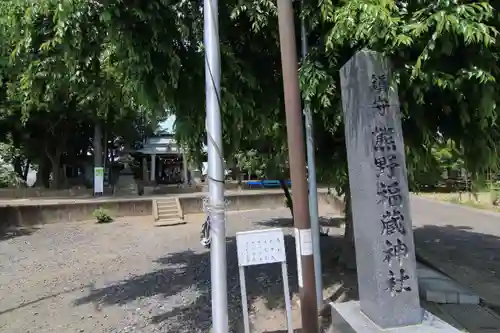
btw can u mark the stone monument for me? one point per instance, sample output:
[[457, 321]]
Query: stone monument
[[126, 184], [385, 251]]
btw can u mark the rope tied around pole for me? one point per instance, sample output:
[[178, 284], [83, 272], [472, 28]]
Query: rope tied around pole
[[210, 210]]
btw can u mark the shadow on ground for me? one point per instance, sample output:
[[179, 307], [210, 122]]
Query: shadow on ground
[[16, 231], [461, 245], [334, 222], [191, 270], [471, 258], [41, 299]]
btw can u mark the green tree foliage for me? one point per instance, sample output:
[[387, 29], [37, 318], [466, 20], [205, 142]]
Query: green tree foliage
[[61, 74], [443, 167], [66, 65], [445, 60], [444, 56], [13, 169]]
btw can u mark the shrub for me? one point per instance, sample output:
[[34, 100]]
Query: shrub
[[102, 215], [8, 177], [495, 197]]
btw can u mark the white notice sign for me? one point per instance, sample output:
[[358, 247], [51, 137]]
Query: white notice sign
[[298, 252], [99, 180], [260, 247], [306, 247]]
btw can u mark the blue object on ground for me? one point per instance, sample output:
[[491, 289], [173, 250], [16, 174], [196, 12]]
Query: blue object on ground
[[254, 183], [266, 183], [271, 183]]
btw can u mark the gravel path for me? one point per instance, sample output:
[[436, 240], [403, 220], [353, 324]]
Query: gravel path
[[129, 276]]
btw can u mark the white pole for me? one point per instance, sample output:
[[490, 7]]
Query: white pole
[[244, 300], [215, 174], [313, 190], [288, 302]]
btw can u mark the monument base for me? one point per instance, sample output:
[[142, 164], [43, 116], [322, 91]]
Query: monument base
[[348, 318]]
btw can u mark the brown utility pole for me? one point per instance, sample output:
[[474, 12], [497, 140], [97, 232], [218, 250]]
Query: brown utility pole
[[297, 161]]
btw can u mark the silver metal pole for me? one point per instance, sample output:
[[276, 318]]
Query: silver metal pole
[[313, 190], [218, 264]]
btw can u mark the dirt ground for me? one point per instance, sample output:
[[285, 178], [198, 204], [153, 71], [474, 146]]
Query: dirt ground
[[128, 276]]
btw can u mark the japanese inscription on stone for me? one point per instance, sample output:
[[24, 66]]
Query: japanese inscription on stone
[[389, 191], [380, 201], [381, 87]]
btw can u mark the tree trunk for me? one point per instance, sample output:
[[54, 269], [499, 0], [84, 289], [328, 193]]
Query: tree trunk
[[18, 166], [97, 145], [43, 173], [57, 176], [26, 169], [53, 153], [288, 196], [348, 257], [236, 175], [106, 150], [240, 177], [235, 171], [111, 179]]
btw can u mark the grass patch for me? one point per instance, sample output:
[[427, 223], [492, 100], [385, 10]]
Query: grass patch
[[483, 200], [102, 215]]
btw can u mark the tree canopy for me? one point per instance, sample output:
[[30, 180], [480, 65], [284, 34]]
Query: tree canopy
[[61, 77], [444, 55], [67, 65]]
